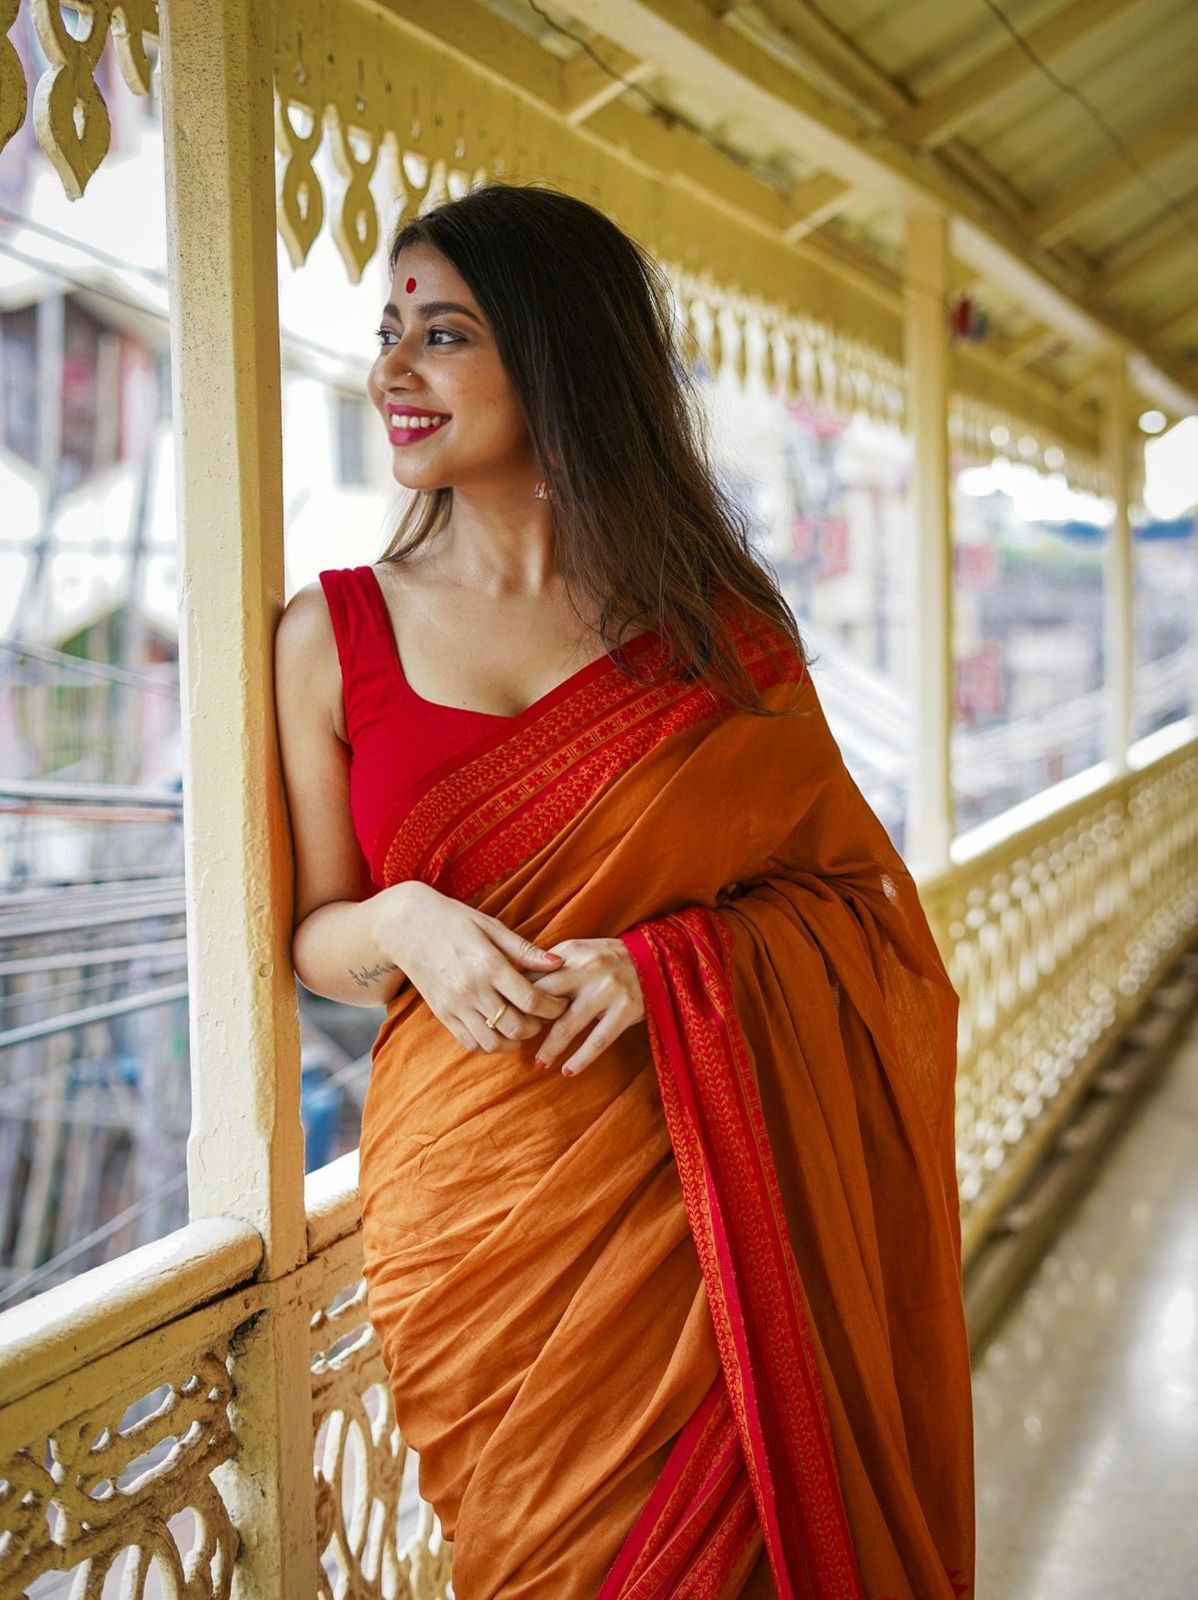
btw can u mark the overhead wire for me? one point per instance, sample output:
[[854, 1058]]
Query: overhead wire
[[19, 1287], [103, 292], [1182, 209]]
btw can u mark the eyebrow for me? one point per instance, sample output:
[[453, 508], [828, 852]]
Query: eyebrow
[[433, 308]]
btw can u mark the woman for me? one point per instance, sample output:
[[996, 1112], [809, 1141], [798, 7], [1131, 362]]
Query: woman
[[657, 1176]]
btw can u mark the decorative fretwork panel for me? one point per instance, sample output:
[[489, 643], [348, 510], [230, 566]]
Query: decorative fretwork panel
[[981, 430], [69, 112], [374, 1534], [120, 1480]]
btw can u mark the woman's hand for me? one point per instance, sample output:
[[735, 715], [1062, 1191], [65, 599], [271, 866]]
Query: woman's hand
[[600, 979], [465, 965]]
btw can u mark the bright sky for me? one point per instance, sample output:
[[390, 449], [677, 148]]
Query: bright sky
[[1171, 471]]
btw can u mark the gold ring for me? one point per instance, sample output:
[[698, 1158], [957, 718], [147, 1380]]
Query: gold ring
[[491, 1021]]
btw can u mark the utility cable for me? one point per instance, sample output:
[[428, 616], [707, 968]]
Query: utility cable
[[19, 1287]]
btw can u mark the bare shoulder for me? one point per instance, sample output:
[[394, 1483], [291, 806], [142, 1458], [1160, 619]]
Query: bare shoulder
[[306, 653], [305, 618]]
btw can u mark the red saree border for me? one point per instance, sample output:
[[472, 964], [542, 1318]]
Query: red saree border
[[734, 1206], [699, 1523], [509, 733], [484, 817]]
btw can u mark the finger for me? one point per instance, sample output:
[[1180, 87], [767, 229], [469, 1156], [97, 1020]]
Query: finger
[[525, 996], [472, 1017], [461, 1033], [473, 1033], [521, 950], [512, 1024], [567, 1028], [604, 1033], [566, 981]]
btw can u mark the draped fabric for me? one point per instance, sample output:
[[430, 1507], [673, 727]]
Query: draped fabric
[[689, 1324]]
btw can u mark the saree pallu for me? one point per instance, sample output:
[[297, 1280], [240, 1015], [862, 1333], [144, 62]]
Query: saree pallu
[[689, 1324]]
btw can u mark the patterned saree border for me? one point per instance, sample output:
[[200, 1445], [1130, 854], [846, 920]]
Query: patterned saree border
[[733, 1203], [699, 1525], [435, 800], [489, 815]]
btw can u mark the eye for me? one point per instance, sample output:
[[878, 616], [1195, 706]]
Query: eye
[[384, 334]]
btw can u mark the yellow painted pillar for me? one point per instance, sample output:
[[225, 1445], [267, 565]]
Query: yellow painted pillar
[[245, 1151], [930, 805], [1119, 643]]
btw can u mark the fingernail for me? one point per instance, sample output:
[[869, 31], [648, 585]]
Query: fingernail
[[539, 1063], [567, 1072]]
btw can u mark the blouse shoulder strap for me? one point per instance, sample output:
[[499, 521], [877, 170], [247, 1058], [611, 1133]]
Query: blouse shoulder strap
[[364, 642]]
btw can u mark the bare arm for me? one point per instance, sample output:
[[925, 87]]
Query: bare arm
[[335, 954], [336, 907], [354, 944]]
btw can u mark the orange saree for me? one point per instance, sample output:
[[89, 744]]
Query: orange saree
[[689, 1324]]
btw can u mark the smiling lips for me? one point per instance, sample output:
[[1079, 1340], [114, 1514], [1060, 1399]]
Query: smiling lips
[[409, 425]]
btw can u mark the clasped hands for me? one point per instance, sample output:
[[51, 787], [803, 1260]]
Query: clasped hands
[[466, 964]]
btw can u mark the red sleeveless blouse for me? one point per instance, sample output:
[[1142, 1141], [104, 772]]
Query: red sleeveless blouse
[[397, 738]]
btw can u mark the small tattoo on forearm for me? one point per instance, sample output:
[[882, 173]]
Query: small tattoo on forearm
[[365, 976]]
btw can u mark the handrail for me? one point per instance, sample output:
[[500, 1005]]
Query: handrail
[[74, 1323]]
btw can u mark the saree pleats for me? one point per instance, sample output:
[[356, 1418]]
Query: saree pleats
[[689, 1324]]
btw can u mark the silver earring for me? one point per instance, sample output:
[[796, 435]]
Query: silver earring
[[541, 491]]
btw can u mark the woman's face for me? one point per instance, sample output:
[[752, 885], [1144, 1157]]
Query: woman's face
[[435, 360]]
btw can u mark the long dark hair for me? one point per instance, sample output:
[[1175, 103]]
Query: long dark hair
[[584, 320]]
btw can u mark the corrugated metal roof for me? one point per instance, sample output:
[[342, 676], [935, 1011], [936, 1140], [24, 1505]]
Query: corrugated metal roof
[[1065, 130]]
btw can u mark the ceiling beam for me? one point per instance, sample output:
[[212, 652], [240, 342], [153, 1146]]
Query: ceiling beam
[[586, 87], [1170, 325], [992, 354], [845, 68], [1090, 386], [1154, 381], [479, 36], [1038, 342], [1110, 177], [1005, 69], [741, 78], [1150, 247], [813, 202], [673, 151]]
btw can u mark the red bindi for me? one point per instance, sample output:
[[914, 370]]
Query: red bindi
[[410, 285]]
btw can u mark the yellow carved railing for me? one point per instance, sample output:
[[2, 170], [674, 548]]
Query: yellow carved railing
[[1056, 925], [122, 1401]]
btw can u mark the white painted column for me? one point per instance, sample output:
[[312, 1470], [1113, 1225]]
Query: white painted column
[[245, 1151], [1117, 589], [930, 807]]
